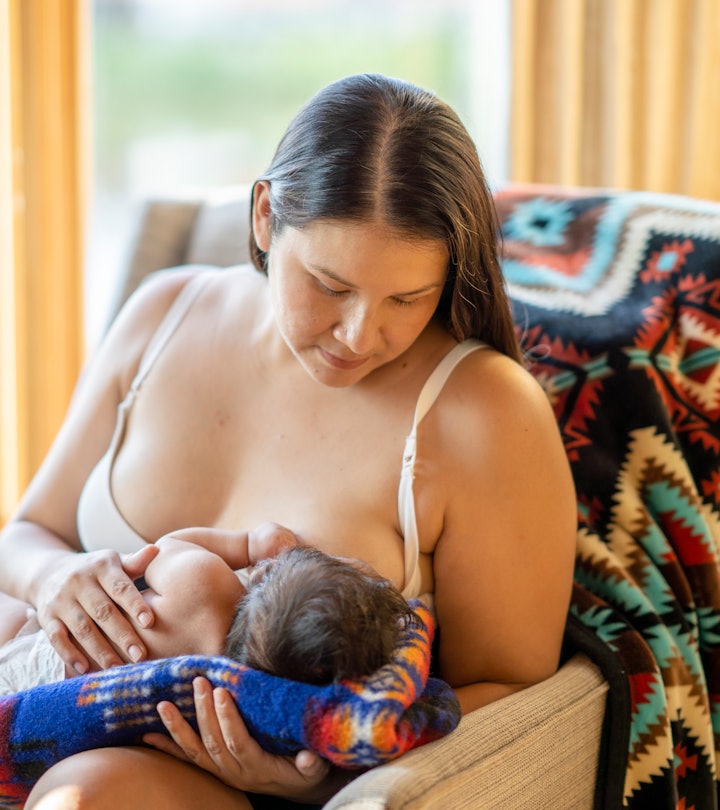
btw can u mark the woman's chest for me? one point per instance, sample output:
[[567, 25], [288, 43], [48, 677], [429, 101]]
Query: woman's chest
[[239, 458]]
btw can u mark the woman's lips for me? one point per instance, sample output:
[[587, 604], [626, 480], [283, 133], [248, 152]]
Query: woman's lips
[[339, 362]]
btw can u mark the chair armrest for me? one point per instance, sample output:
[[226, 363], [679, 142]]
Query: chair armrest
[[535, 749]]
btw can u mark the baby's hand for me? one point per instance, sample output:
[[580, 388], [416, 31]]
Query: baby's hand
[[268, 540]]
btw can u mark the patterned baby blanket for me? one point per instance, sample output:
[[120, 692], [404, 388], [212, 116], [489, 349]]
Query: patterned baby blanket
[[617, 296], [353, 724]]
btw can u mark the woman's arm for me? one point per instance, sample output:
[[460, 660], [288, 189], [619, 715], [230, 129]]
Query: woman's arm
[[503, 565], [80, 598]]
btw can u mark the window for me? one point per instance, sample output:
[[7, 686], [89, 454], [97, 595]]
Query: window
[[197, 94]]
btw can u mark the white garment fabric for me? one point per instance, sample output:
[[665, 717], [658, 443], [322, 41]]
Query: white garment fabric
[[29, 659]]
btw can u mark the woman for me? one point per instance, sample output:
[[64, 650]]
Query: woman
[[287, 395]]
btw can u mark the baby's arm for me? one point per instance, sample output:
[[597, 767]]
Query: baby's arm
[[241, 549], [268, 540], [13, 615]]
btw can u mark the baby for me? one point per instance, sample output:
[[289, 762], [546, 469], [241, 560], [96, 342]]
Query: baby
[[304, 615], [311, 617]]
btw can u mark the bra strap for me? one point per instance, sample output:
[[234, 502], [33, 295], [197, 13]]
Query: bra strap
[[173, 318], [406, 497]]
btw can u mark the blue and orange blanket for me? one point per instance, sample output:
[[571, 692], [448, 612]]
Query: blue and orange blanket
[[353, 723], [617, 298]]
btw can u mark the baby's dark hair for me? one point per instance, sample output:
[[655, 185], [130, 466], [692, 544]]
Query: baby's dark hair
[[311, 617]]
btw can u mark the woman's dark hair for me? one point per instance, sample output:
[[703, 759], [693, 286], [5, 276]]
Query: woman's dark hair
[[311, 617], [369, 147]]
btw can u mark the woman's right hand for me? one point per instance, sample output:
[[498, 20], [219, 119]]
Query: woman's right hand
[[88, 606], [225, 748]]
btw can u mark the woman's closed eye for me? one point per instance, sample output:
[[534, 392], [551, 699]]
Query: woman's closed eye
[[329, 290], [402, 302]]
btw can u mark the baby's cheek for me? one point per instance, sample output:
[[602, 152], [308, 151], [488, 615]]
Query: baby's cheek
[[157, 641]]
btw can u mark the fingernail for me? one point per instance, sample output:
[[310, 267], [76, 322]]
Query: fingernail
[[144, 619], [135, 653], [79, 668]]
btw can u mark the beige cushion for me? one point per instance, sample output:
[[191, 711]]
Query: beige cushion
[[211, 228], [161, 240], [220, 234]]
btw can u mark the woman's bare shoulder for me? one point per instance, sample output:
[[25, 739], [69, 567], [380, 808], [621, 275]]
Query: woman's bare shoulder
[[489, 390], [152, 299], [141, 316], [500, 446]]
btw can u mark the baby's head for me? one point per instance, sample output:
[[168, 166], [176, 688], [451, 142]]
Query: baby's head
[[193, 594], [315, 618]]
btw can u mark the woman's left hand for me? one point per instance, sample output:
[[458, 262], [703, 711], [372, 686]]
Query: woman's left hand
[[225, 749]]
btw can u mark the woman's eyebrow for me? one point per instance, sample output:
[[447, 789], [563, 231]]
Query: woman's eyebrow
[[329, 274]]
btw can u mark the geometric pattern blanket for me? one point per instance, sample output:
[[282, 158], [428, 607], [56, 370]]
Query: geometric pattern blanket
[[352, 723], [616, 296]]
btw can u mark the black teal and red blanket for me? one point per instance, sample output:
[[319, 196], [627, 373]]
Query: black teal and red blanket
[[352, 723], [617, 298]]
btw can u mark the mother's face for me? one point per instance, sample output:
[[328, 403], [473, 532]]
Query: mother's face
[[349, 296]]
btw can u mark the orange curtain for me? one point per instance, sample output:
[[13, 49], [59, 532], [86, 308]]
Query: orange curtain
[[617, 93], [43, 149]]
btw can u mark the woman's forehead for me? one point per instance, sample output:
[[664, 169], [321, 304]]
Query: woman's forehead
[[349, 251]]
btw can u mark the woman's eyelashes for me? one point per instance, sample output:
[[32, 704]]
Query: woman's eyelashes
[[328, 290], [401, 302]]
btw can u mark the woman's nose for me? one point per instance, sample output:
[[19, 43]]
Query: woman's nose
[[358, 330]]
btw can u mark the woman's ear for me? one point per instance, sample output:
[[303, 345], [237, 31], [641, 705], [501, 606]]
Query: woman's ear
[[262, 215]]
